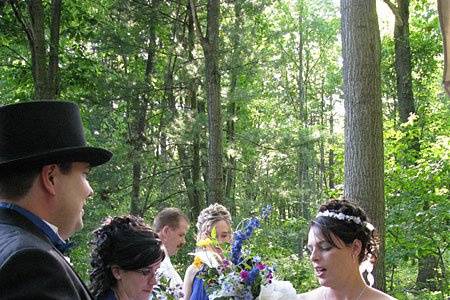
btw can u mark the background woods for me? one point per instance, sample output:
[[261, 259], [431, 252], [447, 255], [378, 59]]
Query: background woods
[[251, 103]]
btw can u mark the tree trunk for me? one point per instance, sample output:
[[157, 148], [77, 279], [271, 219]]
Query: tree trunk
[[210, 45], [38, 50], [232, 108], [197, 197], [215, 163], [45, 76], [322, 173], [363, 167], [403, 66], [53, 74], [427, 274], [444, 19], [138, 116], [303, 152], [331, 151]]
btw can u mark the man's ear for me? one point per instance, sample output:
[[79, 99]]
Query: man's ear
[[47, 175], [165, 230]]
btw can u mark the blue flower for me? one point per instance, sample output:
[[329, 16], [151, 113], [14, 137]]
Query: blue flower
[[252, 275], [266, 211]]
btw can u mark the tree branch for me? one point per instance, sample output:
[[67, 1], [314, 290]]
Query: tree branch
[[198, 28], [16, 53], [395, 11], [28, 30]]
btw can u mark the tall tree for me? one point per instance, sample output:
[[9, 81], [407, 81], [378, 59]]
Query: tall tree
[[303, 151], [363, 165], [444, 18], [138, 110], [192, 174], [428, 265], [403, 63], [232, 106], [210, 46], [44, 54]]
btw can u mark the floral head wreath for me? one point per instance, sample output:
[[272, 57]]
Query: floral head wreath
[[344, 217]]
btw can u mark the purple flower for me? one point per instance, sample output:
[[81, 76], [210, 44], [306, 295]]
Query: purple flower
[[244, 275], [226, 263]]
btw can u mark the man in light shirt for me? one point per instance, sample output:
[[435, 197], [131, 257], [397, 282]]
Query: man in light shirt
[[171, 224]]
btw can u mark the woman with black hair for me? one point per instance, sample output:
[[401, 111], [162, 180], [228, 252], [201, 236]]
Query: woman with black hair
[[340, 239], [125, 256]]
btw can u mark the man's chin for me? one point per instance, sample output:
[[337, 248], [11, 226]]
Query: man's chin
[[78, 226]]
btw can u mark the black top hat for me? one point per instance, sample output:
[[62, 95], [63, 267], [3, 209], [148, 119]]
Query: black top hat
[[38, 133]]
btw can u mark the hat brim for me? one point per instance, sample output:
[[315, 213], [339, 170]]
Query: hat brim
[[92, 155]]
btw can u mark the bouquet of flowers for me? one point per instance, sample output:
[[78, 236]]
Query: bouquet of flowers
[[164, 290], [240, 275]]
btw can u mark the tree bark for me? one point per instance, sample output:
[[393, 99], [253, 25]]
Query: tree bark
[[363, 167], [232, 107], [138, 115], [191, 177], [403, 63], [331, 151], [53, 69], [39, 53], [304, 151], [44, 69], [444, 19], [210, 45]]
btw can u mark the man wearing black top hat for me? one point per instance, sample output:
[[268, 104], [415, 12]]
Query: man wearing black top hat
[[44, 163]]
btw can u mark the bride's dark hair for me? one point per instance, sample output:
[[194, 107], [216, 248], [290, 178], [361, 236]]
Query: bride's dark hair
[[345, 228]]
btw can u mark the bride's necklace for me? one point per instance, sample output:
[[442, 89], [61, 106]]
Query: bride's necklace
[[359, 296]]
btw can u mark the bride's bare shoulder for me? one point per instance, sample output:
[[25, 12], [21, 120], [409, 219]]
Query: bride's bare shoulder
[[311, 295], [378, 295]]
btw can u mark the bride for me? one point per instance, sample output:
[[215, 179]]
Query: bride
[[339, 240], [213, 218]]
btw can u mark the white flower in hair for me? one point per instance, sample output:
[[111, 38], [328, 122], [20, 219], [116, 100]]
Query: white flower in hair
[[339, 216], [369, 226]]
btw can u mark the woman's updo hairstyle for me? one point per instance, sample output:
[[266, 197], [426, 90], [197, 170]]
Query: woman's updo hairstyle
[[341, 218], [127, 242], [208, 217]]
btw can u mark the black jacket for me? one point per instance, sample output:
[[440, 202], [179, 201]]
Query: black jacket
[[31, 267]]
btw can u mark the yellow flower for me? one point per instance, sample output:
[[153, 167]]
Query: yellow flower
[[204, 243], [197, 262]]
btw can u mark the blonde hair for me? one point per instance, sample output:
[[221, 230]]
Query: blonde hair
[[208, 217]]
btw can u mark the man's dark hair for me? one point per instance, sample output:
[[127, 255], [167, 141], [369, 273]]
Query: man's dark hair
[[16, 183], [169, 216]]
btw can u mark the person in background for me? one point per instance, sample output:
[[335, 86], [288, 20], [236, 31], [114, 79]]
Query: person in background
[[126, 254], [215, 218], [44, 165], [340, 239], [171, 224]]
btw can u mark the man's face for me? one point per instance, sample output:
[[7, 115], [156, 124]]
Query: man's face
[[175, 238], [71, 192]]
